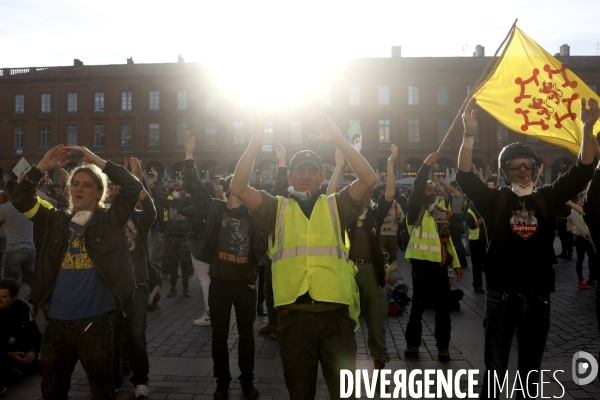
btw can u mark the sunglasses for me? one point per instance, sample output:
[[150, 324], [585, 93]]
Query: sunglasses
[[516, 164]]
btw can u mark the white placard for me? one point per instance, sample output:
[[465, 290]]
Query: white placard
[[22, 165]]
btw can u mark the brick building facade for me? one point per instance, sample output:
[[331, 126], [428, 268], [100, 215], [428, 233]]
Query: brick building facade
[[145, 109]]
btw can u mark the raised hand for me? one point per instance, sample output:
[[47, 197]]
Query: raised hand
[[190, 145], [88, 156], [151, 177], [136, 168], [280, 154], [590, 112], [64, 175], [54, 158], [329, 131], [394, 154], [340, 160], [432, 159], [468, 117]]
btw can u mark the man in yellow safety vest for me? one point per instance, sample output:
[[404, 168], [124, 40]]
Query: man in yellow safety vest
[[433, 257], [312, 281]]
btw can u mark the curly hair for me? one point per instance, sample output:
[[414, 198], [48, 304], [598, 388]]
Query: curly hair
[[99, 177]]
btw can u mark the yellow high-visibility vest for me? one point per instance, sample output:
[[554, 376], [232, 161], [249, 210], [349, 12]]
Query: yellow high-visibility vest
[[575, 230], [473, 233], [309, 254], [425, 245]]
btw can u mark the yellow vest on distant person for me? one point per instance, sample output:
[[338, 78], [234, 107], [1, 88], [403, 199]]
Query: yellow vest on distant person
[[473, 233], [425, 245], [575, 230], [309, 255]]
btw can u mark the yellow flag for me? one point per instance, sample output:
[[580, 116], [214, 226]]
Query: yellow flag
[[533, 93]]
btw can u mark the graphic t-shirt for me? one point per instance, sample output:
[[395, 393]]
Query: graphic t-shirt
[[232, 260], [80, 290]]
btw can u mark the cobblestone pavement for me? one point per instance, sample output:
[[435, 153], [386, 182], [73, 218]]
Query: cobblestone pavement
[[181, 364]]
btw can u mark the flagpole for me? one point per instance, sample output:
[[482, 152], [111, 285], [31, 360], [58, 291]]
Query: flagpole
[[483, 74]]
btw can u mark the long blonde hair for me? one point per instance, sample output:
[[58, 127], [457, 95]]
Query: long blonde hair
[[99, 177]]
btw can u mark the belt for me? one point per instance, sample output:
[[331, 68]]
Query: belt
[[361, 261]]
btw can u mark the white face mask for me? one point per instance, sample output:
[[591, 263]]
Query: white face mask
[[176, 195], [364, 214], [522, 190], [82, 217], [304, 196]]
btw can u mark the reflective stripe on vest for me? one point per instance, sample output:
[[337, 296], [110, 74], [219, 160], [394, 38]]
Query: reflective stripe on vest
[[314, 250], [310, 255]]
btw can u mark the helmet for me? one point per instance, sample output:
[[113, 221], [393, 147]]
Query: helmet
[[516, 150]]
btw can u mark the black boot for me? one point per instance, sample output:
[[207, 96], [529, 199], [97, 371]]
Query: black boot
[[260, 310], [222, 391], [249, 390]]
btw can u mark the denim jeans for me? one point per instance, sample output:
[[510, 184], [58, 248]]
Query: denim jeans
[[222, 295], [130, 340], [269, 297], [66, 342], [531, 317], [17, 260]]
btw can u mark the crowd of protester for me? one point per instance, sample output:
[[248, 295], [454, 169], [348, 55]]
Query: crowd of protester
[[95, 247]]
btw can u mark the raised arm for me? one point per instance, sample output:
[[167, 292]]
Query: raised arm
[[589, 116], [330, 133], [24, 197], [240, 186], [335, 177], [465, 155], [390, 189]]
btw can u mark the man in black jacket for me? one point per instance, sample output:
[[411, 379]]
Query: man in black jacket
[[83, 268], [234, 247], [519, 263]]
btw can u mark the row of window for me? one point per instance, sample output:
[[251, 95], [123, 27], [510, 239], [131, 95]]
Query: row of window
[[239, 135], [126, 101], [443, 98]]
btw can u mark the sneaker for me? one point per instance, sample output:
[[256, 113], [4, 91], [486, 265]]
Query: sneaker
[[202, 321], [260, 310], [249, 390], [582, 285], [222, 391], [479, 289], [411, 351], [591, 281], [269, 328], [186, 291], [117, 390], [443, 355], [141, 391], [274, 336], [172, 292]]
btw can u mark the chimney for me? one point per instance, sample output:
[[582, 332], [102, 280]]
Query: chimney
[[77, 63], [565, 50], [396, 51], [130, 61], [479, 51]]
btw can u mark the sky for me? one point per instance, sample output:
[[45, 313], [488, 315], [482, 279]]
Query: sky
[[296, 35]]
